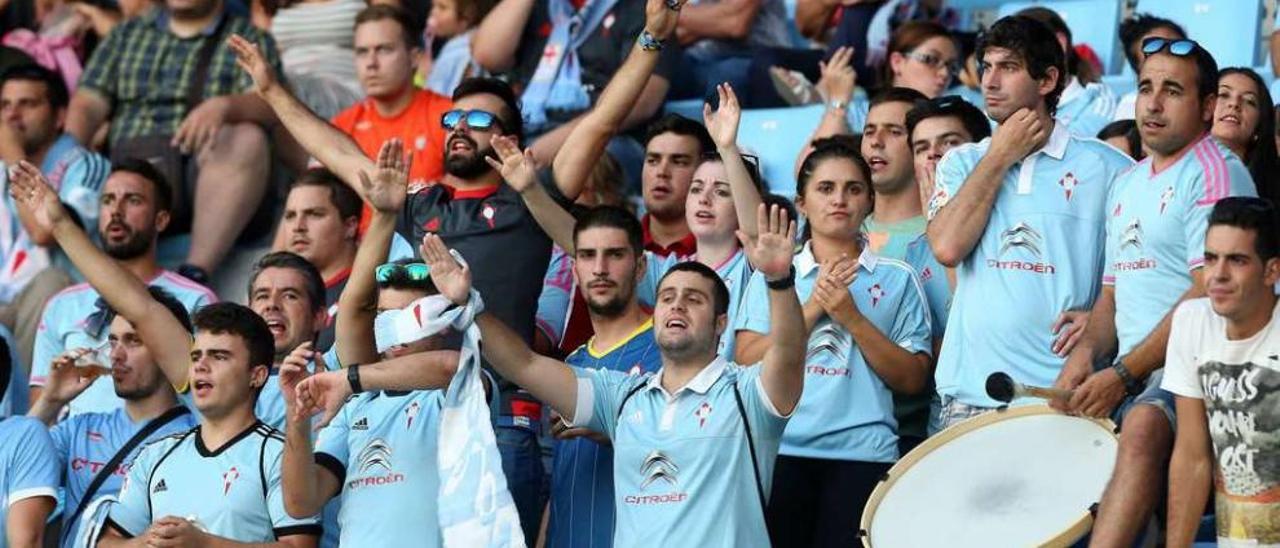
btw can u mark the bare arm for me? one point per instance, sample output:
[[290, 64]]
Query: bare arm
[[1148, 356], [357, 306], [333, 148], [726, 20], [723, 127], [770, 253], [24, 522], [1190, 472], [493, 45], [749, 346], [836, 86], [903, 371], [306, 486], [166, 338], [86, 114], [421, 371], [1099, 340], [958, 225], [517, 170]]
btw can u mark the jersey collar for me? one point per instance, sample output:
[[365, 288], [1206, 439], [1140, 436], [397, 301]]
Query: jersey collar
[[806, 263], [206, 452], [1056, 146], [700, 383]]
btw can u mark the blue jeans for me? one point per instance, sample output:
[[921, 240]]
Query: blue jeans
[[522, 464], [697, 78]]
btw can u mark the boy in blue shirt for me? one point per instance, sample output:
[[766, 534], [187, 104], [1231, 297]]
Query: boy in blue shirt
[[1159, 213], [1020, 217]]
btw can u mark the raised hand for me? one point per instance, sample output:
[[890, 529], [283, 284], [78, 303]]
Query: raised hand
[[453, 280], [838, 77], [771, 250], [385, 190], [65, 381], [251, 60], [660, 17], [32, 192], [723, 123], [323, 392], [293, 370], [518, 168]]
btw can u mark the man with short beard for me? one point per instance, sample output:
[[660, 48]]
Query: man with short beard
[[133, 210]]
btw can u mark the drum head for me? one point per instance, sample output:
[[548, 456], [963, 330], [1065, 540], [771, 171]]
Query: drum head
[[1025, 476]]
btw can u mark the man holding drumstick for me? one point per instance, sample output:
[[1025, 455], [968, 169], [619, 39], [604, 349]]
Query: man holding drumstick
[[1158, 212], [1222, 364]]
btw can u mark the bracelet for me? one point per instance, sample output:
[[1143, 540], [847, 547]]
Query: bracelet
[[353, 377], [649, 42], [1130, 383], [785, 282]]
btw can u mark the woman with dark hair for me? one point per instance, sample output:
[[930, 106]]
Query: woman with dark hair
[[1244, 120], [869, 338], [1123, 134]]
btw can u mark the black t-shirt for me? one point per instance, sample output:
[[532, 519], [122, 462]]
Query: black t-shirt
[[493, 230], [332, 292], [601, 55]]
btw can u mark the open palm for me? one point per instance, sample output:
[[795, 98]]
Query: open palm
[[452, 279], [723, 123], [517, 166], [771, 251], [251, 60], [385, 189], [32, 192]]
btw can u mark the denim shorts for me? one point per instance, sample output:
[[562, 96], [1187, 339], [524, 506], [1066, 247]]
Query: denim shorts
[[1151, 395]]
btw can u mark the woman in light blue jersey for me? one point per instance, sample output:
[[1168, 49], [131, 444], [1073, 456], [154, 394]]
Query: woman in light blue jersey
[[1244, 120], [869, 337]]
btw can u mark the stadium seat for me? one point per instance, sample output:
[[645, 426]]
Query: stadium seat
[[1092, 22], [689, 108], [1230, 30], [776, 135]]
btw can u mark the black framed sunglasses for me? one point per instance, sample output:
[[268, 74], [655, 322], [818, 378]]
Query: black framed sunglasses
[[1180, 48], [476, 119], [415, 272]]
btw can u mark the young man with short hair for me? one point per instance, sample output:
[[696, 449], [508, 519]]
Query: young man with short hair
[[897, 216], [1222, 365], [135, 207], [1020, 217], [1158, 214], [673, 146]]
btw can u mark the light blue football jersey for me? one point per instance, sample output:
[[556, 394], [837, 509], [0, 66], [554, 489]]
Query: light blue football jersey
[[682, 467], [734, 270], [582, 513], [846, 410], [1086, 109], [64, 326], [933, 277], [382, 446], [85, 444], [1156, 231], [28, 464], [1040, 254], [233, 491], [270, 407]]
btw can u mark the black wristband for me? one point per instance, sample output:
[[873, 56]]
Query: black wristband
[[787, 282], [1131, 384], [353, 377]]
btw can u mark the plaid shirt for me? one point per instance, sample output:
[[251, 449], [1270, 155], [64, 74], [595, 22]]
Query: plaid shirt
[[144, 71]]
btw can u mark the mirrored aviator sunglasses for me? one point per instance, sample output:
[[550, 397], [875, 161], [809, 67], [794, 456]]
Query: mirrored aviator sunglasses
[[1179, 48], [415, 272], [476, 119]]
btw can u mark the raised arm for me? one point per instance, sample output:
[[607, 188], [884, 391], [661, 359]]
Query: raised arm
[[333, 148], [959, 224], [327, 391], [306, 485], [770, 252], [723, 127], [517, 169], [836, 86], [357, 307], [549, 380], [167, 340], [586, 143], [493, 45]]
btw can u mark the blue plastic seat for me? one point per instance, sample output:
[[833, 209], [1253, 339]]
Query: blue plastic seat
[[1229, 29], [1093, 22]]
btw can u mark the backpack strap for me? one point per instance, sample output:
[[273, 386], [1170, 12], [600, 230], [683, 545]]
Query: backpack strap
[[751, 445]]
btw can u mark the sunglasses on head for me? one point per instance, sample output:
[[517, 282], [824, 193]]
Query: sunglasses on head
[[476, 119], [1180, 48], [416, 272]]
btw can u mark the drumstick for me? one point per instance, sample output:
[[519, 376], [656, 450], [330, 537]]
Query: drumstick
[[1002, 387]]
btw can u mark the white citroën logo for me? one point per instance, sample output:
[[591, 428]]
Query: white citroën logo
[[1021, 236], [376, 454], [656, 467]]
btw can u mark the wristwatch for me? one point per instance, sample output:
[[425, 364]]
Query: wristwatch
[[649, 42], [1131, 384], [836, 104], [785, 282], [353, 377]]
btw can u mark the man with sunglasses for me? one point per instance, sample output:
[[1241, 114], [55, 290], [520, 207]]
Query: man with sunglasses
[[1222, 366], [1155, 241], [1020, 217], [1084, 108]]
